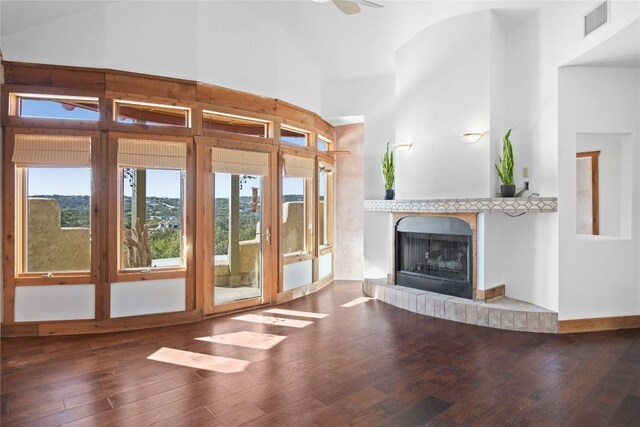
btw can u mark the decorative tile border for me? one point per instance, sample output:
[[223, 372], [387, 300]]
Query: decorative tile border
[[509, 205], [506, 313]]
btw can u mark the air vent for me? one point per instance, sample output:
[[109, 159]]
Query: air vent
[[596, 18]]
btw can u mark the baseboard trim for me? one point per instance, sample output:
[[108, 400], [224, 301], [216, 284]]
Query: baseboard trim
[[487, 294], [598, 324], [118, 324]]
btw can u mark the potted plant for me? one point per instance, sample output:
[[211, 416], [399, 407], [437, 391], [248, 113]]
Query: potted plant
[[505, 167], [388, 173]]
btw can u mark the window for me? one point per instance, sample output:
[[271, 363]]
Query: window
[[325, 205], [53, 192], [293, 136], [55, 107], [239, 181], [152, 204], [152, 114], [323, 144], [234, 124], [296, 212]]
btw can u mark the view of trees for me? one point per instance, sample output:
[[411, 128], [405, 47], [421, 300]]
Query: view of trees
[[165, 242], [248, 221]]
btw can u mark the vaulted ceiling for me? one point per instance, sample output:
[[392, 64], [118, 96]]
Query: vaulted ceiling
[[340, 46]]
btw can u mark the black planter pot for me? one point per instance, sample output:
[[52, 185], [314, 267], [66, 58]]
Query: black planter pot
[[389, 194], [508, 190]]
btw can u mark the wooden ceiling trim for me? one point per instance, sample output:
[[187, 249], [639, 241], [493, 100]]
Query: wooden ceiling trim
[[217, 95], [175, 90], [171, 91], [17, 73]]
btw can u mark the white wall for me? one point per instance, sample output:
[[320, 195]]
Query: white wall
[[54, 302], [516, 253], [612, 188], [443, 89], [297, 274], [522, 252], [147, 297], [222, 43], [324, 265], [373, 98], [598, 274], [498, 124]]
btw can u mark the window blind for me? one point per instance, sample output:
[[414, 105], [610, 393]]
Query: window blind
[[239, 162], [300, 167], [152, 154], [67, 150]]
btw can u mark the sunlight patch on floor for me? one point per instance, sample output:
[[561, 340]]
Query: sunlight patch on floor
[[310, 314], [207, 362], [356, 301], [255, 340], [272, 320]]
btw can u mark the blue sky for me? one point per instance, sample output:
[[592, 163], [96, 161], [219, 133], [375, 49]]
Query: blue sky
[[160, 183], [76, 181], [53, 109], [62, 181]]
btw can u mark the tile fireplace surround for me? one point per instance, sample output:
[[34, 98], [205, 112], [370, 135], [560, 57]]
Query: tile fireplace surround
[[509, 205], [501, 313]]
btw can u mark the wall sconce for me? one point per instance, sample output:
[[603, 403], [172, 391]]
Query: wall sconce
[[471, 137], [403, 147]]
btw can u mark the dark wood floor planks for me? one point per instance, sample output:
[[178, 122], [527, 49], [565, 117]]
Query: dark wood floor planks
[[370, 364]]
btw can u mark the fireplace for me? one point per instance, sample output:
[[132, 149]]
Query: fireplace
[[435, 253]]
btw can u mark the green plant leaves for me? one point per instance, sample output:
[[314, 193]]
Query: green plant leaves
[[506, 162], [388, 169]]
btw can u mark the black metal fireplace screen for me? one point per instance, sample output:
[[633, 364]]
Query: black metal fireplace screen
[[435, 254]]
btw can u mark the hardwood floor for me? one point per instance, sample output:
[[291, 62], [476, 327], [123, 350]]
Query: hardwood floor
[[367, 364]]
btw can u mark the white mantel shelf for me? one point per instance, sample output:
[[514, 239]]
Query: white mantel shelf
[[509, 205]]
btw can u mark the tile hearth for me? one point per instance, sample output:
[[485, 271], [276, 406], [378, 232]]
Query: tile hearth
[[500, 313]]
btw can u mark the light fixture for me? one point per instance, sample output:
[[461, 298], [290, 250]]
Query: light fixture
[[403, 147], [471, 137]]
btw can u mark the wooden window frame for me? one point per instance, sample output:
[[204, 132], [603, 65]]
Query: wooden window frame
[[206, 208], [16, 98], [310, 208], [330, 211], [10, 99], [107, 86], [143, 127], [117, 273], [327, 141], [15, 187], [595, 189], [268, 125], [295, 128]]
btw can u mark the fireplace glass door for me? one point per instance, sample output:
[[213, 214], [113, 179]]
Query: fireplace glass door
[[435, 255]]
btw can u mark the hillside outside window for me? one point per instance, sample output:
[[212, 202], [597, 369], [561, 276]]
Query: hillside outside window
[[152, 214], [53, 199]]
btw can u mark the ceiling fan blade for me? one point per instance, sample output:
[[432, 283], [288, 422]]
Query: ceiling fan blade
[[346, 6], [368, 3]]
